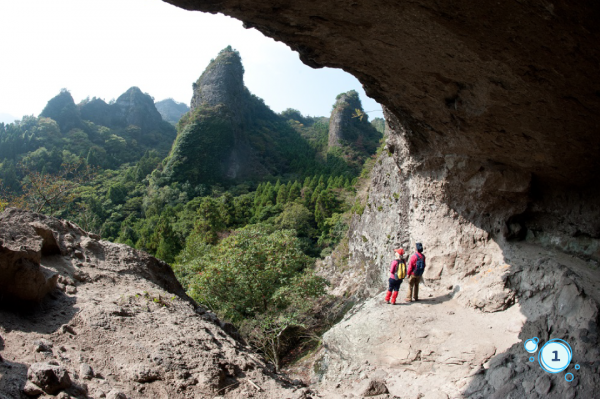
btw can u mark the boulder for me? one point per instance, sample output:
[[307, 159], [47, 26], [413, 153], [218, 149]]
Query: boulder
[[21, 275], [50, 378], [374, 388]]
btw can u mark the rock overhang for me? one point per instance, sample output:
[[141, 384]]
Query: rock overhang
[[511, 83]]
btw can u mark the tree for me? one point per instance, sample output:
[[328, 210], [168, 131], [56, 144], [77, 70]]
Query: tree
[[296, 217], [289, 318], [239, 277], [282, 194], [294, 191], [51, 193]]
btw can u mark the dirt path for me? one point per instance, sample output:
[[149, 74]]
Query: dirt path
[[435, 348], [433, 345]]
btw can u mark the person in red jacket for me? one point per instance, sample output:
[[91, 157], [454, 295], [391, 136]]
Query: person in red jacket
[[395, 278], [416, 267]]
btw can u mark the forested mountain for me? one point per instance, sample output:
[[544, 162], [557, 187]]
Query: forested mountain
[[230, 136], [100, 134]]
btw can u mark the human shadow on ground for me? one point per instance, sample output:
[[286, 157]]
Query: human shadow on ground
[[429, 300]]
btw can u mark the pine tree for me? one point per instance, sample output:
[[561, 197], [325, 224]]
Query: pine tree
[[321, 180], [339, 182], [330, 182], [294, 191], [315, 195], [282, 194]]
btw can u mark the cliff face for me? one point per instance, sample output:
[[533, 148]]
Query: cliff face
[[221, 83], [341, 120], [482, 267], [350, 133], [136, 108], [492, 113]]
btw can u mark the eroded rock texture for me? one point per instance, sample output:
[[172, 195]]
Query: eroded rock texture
[[117, 324]]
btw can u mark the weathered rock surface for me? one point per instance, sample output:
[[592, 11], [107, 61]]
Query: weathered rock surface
[[128, 331], [137, 108], [221, 83], [440, 348], [50, 378], [21, 247], [341, 121], [503, 82], [473, 260]]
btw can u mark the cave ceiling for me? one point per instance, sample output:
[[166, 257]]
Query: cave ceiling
[[512, 83]]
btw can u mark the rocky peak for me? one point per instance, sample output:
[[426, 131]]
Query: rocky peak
[[222, 82], [137, 108], [63, 110], [342, 120], [133, 107], [98, 111]]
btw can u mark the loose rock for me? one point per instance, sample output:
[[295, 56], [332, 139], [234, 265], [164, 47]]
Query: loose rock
[[85, 371], [42, 345], [543, 385], [31, 389], [52, 379], [116, 394], [375, 387]]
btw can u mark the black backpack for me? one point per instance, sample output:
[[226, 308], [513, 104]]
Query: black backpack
[[420, 265]]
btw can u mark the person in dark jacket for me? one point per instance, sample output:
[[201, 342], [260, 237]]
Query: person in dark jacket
[[394, 280], [416, 267]]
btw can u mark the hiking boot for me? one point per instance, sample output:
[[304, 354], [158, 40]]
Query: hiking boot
[[408, 300]]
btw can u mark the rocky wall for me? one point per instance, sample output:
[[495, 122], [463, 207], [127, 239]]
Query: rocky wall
[[503, 98], [458, 209]]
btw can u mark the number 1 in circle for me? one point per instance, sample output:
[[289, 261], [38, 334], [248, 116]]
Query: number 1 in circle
[[556, 359]]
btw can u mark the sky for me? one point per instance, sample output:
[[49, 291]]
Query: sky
[[100, 48]]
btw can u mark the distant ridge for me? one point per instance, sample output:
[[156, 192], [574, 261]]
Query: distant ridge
[[171, 110]]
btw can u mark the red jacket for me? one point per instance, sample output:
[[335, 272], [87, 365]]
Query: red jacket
[[393, 267], [412, 263]]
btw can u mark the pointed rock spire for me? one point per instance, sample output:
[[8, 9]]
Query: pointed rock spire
[[222, 82]]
